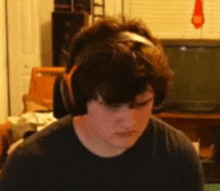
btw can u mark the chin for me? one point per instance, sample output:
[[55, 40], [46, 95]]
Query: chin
[[125, 144]]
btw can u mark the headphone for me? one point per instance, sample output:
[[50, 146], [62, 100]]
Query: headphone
[[66, 101]]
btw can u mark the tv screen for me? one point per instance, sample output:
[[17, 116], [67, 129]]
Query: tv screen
[[196, 87]]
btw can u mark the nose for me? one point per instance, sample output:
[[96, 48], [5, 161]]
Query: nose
[[125, 118]]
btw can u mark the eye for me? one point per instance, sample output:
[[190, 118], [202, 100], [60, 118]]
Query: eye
[[113, 107], [141, 104]]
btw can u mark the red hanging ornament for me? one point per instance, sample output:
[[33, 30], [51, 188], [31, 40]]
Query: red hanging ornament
[[198, 18]]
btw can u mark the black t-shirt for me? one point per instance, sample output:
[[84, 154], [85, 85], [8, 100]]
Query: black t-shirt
[[54, 159]]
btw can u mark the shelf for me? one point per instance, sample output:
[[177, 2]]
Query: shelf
[[206, 152], [188, 116], [202, 127], [190, 122]]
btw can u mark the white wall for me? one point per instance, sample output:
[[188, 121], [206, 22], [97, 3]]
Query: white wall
[[113, 8], [45, 22], [29, 44], [172, 18], [3, 66]]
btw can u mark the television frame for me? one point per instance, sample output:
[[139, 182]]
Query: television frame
[[192, 106]]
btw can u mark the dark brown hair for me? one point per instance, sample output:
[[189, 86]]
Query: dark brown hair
[[118, 71]]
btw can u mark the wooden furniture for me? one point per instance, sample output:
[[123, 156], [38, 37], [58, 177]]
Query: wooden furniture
[[3, 139], [200, 127], [40, 95], [205, 128]]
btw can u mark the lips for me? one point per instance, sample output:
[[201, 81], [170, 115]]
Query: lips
[[127, 133]]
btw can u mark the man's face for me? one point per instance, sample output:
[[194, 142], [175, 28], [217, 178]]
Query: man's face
[[119, 127]]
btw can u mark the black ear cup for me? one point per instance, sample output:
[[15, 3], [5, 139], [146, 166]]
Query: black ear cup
[[59, 109], [65, 95], [62, 101]]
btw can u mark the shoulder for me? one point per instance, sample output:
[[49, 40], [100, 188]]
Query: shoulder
[[170, 134], [171, 143], [162, 125], [50, 133], [36, 154], [38, 145]]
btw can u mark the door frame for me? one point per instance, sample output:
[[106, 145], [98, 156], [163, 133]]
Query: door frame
[[4, 109]]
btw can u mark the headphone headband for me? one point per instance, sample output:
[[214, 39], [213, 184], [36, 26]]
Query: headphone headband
[[130, 36], [96, 47]]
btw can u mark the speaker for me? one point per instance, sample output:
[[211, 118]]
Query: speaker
[[65, 26], [83, 5], [62, 5]]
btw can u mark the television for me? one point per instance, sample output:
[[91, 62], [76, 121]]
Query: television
[[196, 86]]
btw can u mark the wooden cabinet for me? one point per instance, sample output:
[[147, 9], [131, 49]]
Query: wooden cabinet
[[202, 127]]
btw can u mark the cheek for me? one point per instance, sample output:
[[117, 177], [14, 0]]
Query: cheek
[[100, 118], [141, 117]]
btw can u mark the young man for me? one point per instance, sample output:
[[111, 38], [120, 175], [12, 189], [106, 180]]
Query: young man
[[117, 73]]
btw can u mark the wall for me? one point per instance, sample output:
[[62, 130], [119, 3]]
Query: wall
[[113, 8], [45, 22], [171, 18], [166, 18], [29, 44], [3, 66]]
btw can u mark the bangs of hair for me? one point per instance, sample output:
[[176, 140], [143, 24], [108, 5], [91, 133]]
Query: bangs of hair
[[119, 76]]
